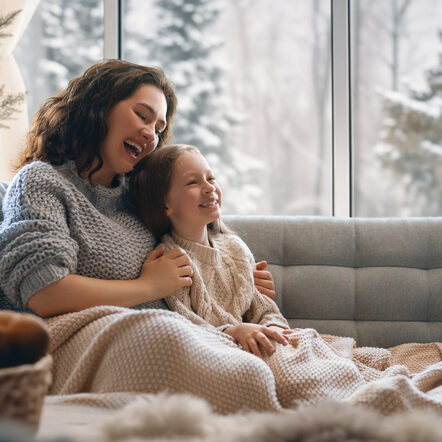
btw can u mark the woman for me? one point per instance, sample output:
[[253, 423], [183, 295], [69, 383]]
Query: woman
[[100, 126], [71, 242]]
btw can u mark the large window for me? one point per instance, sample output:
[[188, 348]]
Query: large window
[[397, 107], [63, 38], [253, 85], [303, 107]]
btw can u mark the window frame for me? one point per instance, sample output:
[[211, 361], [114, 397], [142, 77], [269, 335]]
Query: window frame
[[342, 154]]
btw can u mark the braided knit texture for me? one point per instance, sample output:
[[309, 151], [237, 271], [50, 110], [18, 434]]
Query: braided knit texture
[[223, 291], [56, 223]]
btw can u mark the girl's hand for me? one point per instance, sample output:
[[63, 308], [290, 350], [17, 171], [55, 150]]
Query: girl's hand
[[251, 336], [284, 331], [264, 280], [164, 274]]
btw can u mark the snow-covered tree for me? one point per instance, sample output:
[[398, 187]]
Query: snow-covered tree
[[70, 38], [8, 102], [411, 143], [70, 30], [186, 46]]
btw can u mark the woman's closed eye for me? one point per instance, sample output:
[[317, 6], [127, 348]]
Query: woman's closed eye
[[144, 118], [141, 115]]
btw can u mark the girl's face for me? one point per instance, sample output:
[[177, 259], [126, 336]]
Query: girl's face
[[133, 127], [194, 197]]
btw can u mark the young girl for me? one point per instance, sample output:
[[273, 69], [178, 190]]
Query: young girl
[[180, 201]]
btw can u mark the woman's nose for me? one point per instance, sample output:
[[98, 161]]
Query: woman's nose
[[148, 133]]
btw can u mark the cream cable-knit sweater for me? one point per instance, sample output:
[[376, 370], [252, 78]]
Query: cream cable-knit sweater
[[223, 291]]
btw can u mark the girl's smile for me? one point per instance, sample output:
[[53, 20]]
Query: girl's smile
[[194, 197]]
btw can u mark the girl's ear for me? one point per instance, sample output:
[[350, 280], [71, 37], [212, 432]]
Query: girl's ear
[[168, 211]]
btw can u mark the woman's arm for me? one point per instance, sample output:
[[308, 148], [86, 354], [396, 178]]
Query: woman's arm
[[264, 280], [160, 276]]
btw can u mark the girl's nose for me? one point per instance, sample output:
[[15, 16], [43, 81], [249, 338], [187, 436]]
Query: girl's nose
[[209, 187]]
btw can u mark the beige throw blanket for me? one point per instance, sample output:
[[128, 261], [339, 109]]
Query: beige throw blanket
[[112, 349]]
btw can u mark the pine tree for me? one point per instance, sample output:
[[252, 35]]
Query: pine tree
[[186, 48], [70, 31], [411, 143], [8, 102]]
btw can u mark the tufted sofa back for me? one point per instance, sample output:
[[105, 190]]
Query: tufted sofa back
[[377, 280]]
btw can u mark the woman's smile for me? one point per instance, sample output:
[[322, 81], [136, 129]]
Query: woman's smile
[[134, 148], [134, 126]]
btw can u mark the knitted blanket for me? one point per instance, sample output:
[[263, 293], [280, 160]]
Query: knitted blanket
[[112, 349]]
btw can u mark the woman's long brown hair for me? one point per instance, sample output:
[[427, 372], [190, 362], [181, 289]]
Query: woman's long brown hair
[[71, 125]]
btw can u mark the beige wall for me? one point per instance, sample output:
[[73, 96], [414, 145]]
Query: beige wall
[[12, 138]]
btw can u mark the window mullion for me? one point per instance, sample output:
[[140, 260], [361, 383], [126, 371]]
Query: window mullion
[[342, 157], [112, 41]]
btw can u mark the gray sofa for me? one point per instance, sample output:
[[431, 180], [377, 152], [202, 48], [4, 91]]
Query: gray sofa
[[377, 280]]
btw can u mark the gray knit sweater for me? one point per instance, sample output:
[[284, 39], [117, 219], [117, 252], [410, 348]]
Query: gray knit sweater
[[56, 223]]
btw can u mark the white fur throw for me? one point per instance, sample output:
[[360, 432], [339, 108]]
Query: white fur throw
[[186, 418]]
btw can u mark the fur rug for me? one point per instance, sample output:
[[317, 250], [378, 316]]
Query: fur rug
[[187, 418]]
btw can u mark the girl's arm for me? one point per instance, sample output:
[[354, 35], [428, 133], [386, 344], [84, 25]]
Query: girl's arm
[[264, 311], [160, 276]]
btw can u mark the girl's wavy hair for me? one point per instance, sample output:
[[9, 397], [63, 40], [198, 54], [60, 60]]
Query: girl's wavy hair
[[72, 124], [149, 184]]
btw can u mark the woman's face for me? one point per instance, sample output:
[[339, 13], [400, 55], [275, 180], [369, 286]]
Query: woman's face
[[133, 127]]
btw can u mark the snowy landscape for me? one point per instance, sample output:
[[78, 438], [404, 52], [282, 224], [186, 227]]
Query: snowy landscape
[[253, 79]]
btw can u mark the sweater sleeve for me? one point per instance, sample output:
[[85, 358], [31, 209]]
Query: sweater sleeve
[[36, 248], [262, 310]]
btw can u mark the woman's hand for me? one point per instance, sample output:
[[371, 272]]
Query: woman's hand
[[264, 280], [251, 336], [165, 273]]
